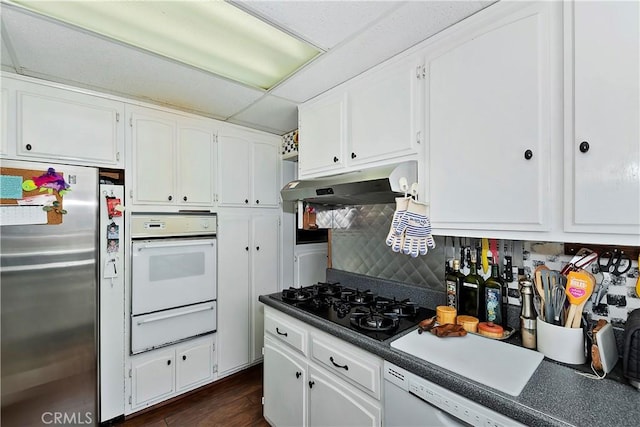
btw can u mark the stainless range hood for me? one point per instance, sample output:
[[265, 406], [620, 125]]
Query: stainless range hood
[[363, 187]]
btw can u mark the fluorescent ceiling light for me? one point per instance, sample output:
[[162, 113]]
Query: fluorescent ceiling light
[[211, 35]]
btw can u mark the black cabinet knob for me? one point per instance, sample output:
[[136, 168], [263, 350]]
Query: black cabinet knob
[[298, 374], [335, 159], [246, 248], [311, 383], [184, 198], [246, 201], [184, 357], [584, 146], [353, 155], [170, 198], [28, 147], [257, 202], [257, 248], [528, 154], [168, 362]]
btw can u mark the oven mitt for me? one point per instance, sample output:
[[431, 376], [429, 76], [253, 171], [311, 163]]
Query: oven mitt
[[394, 239], [416, 227]]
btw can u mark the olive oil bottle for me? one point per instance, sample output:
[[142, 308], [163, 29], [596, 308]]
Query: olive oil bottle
[[472, 301], [495, 310], [453, 281]]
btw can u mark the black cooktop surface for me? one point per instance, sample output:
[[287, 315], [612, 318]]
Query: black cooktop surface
[[379, 317]]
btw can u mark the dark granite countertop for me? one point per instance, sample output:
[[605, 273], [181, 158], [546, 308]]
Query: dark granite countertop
[[556, 395]]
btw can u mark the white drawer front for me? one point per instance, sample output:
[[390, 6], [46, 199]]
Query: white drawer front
[[164, 327], [285, 332], [356, 366]]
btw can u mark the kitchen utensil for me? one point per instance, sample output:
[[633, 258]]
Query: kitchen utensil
[[638, 281], [558, 298], [537, 305], [618, 262], [537, 277], [580, 260], [546, 286], [485, 255], [579, 287]]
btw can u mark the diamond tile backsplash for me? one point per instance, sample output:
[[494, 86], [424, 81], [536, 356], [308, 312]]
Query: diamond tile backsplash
[[358, 246]]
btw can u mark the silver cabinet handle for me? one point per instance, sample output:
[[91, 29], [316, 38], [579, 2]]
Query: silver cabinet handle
[[172, 315], [175, 245]]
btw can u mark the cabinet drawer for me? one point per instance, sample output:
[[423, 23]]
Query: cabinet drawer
[[358, 367], [285, 332]]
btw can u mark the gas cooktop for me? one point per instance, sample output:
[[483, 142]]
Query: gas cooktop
[[378, 317]]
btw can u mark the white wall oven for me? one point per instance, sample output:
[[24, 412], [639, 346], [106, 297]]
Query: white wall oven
[[173, 278]]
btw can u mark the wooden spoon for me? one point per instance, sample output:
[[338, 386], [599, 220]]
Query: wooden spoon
[[579, 288]]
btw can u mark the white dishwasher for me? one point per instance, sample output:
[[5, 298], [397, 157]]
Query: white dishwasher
[[410, 400]]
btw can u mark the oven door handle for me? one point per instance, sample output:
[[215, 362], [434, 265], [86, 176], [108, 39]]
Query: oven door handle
[[169, 316], [175, 245]]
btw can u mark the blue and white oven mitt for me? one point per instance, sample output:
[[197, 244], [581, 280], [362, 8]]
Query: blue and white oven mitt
[[416, 227], [395, 238]]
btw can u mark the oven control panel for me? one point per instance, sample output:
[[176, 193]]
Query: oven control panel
[[169, 225]]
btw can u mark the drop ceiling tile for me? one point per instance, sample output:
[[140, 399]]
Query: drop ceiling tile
[[323, 23], [400, 30], [56, 52], [271, 114]]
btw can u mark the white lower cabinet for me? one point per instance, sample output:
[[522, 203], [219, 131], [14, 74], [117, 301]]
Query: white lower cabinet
[[306, 382], [162, 374], [284, 386], [333, 403]]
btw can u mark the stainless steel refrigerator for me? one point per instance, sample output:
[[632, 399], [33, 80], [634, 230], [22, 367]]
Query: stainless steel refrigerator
[[49, 308]]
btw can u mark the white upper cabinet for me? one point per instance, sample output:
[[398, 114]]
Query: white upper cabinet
[[602, 126], [59, 124], [173, 161], [322, 134], [249, 170], [385, 112], [370, 120], [489, 124], [4, 122]]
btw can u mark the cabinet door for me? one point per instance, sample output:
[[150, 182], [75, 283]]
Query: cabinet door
[[153, 377], [489, 126], [233, 292], [284, 386], [194, 365], [233, 167], [196, 167], [385, 112], [153, 140], [332, 403], [265, 276], [606, 174], [266, 175], [4, 122], [310, 267], [61, 124], [322, 135]]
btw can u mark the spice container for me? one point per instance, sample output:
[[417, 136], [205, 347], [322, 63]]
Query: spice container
[[527, 316]]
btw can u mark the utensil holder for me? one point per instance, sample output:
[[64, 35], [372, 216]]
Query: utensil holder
[[562, 344]]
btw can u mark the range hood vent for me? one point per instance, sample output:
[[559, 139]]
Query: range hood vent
[[364, 187]]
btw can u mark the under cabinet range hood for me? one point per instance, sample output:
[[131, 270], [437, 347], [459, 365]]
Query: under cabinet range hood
[[362, 187]]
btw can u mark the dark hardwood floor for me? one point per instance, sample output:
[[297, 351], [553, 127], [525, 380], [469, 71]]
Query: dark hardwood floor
[[232, 401]]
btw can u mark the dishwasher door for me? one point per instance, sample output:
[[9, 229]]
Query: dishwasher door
[[403, 409]]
